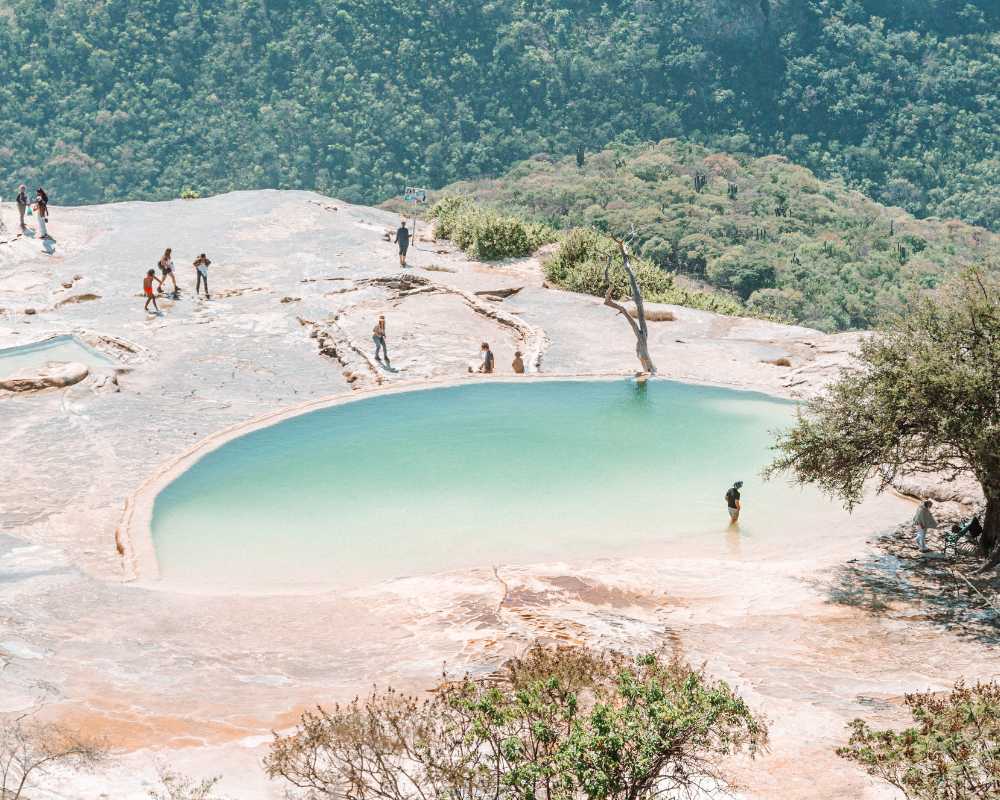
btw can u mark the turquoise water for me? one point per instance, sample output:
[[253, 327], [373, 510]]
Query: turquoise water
[[476, 475], [58, 348]]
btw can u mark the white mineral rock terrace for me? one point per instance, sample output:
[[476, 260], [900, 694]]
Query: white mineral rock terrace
[[297, 280]]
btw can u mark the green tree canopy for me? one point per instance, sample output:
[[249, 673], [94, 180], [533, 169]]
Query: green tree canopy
[[136, 99], [923, 397]]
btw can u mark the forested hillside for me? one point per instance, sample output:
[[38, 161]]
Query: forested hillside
[[114, 99], [765, 230]]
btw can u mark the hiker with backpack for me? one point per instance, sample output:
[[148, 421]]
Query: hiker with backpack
[[733, 502]]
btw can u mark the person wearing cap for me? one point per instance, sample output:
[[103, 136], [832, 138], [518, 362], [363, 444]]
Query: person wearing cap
[[733, 501]]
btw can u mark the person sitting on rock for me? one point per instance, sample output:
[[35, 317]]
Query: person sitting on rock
[[486, 355], [518, 363]]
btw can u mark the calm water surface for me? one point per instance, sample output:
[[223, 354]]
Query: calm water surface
[[477, 475], [58, 348]]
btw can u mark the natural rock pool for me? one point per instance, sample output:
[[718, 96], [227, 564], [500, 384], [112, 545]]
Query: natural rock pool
[[63, 349], [479, 474]]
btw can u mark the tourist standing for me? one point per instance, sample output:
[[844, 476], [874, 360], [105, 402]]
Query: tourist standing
[[201, 269], [733, 502], [518, 363], [147, 289], [378, 336], [42, 212], [403, 240], [166, 264], [924, 520], [22, 203], [486, 366]]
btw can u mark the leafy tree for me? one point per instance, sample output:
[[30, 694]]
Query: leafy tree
[[742, 271], [922, 399], [556, 724], [952, 751]]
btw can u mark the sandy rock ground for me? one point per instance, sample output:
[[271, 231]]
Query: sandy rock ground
[[297, 281]]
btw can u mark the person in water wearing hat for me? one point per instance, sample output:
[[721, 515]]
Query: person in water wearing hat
[[733, 501]]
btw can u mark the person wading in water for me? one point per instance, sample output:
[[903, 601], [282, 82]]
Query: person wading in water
[[733, 502]]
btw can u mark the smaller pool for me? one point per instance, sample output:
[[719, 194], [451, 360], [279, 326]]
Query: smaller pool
[[63, 349]]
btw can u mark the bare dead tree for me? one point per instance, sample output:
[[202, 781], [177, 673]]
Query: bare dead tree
[[638, 325], [28, 748]]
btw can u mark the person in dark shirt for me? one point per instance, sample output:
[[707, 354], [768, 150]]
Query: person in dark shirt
[[403, 240], [733, 501], [487, 359]]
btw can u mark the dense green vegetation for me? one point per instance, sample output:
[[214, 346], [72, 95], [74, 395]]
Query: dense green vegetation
[[778, 240], [114, 99], [485, 234], [580, 262]]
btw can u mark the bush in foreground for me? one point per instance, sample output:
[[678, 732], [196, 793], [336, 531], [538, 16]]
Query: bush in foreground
[[487, 235], [952, 752], [558, 723]]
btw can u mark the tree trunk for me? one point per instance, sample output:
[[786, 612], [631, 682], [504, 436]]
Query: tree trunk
[[989, 542], [638, 328]]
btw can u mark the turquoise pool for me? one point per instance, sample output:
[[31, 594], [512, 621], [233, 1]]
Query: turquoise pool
[[59, 348], [474, 475]]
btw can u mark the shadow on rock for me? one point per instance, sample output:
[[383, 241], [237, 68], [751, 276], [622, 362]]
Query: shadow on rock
[[898, 584]]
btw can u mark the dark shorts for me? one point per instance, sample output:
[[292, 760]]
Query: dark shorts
[[403, 248]]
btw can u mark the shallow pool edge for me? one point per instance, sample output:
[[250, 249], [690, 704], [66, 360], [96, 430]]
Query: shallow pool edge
[[134, 533]]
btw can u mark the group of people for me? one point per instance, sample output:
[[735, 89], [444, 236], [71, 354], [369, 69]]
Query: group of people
[[40, 207], [166, 266], [487, 361]]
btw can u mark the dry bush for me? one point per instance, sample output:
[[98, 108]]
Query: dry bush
[[30, 748], [653, 314]]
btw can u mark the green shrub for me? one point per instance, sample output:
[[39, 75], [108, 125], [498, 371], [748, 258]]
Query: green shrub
[[578, 265], [484, 234], [952, 750], [189, 194], [557, 723]]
